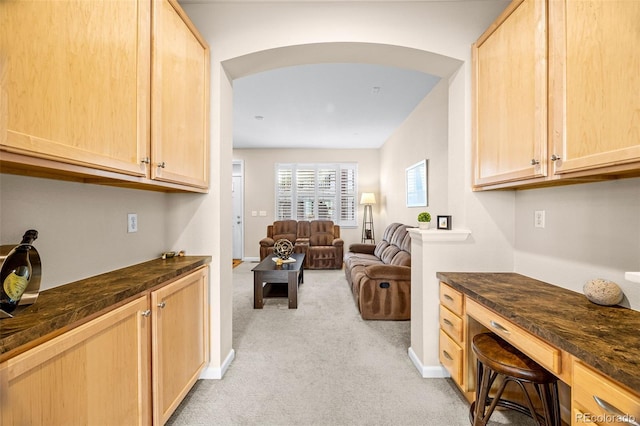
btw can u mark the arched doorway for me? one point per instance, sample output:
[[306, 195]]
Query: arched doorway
[[332, 52]]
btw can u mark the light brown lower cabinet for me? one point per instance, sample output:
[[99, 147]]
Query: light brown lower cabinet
[[130, 366], [180, 341], [453, 340], [598, 400], [586, 396]]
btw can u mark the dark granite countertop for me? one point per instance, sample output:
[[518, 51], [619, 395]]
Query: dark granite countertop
[[605, 337], [61, 308]]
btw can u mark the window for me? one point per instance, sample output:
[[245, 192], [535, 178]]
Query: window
[[324, 191]]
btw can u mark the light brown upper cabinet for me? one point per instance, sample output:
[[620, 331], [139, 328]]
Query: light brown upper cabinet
[[76, 95], [595, 84], [510, 111], [179, 98], [587, 126], [75, 77]]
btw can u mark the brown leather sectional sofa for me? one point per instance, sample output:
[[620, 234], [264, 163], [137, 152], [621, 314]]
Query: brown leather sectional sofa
[[380, 275], [318, 239]]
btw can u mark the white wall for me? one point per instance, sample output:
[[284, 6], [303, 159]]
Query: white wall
[[259, 186], [423, 135], [428, 36]]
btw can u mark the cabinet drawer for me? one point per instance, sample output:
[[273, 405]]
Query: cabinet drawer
[[451, 357], [614, 404], [451, 324], [542, 352], [451, 298]]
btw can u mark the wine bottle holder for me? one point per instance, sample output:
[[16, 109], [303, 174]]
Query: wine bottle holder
[[33, 289]]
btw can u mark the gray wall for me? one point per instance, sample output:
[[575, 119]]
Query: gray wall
[[82, 227], [592, 231]]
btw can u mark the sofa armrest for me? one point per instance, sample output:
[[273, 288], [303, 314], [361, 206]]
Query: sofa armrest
[[338, 242], [362, 248], [388, 272], [266, 242]]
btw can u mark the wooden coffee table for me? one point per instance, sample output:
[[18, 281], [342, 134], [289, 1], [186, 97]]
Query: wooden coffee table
[[270, 280]]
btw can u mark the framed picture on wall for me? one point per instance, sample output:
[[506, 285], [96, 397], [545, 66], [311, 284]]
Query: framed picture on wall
[[416, 185]]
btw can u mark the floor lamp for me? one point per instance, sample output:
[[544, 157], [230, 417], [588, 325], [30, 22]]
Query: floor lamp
[[368, 199]]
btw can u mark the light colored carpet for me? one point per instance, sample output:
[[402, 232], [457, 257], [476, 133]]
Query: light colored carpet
[[320, 364]]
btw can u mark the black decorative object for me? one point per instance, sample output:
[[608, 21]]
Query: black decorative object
[[444, 222], [283, 248]]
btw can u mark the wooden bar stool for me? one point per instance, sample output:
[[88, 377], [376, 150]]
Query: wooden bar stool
[[497, 358]]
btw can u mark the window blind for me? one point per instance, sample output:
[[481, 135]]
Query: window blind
[[325, 191]]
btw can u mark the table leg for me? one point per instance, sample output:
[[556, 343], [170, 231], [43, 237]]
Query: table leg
[[293, 289], [258, 301]]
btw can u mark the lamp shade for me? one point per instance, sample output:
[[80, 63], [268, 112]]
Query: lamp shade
[[368, 198]]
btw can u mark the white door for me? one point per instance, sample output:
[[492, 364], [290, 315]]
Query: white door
[[236, 195]]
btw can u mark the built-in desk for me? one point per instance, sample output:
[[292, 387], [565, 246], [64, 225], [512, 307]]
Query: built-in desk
[[594, 350]]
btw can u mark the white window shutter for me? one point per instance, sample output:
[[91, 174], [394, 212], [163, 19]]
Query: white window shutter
[[317, 191]]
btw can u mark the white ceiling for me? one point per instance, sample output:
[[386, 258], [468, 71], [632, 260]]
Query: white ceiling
[[325, 105]]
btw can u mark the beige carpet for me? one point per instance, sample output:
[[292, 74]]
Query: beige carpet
[[320, 364]]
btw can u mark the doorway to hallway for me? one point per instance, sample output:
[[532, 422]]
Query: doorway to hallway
[[237, 218]]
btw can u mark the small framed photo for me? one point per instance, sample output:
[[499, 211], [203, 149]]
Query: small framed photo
[[444, 222]]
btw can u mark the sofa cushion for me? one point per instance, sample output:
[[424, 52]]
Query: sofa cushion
[[380, 248], [402, 258], [388, 254], [285, 229], [321, 233]]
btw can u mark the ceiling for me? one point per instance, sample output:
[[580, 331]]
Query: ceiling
[[330, 105]]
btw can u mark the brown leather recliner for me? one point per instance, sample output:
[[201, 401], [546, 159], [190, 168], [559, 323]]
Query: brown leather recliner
[[380, 275], [325, 249], [318, 239]]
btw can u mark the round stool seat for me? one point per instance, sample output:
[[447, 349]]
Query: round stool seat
[[500, 356], [498, 359]]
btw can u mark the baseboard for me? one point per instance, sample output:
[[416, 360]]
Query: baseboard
[[218, 372], [251, 259], [428, 371]]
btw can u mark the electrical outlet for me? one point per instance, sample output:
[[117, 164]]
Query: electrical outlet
[[132, 222], [538, 218]]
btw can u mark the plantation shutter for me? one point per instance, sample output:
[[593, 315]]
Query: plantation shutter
[[305, 193], [348, 195], [317, 191], [284, 192], [327, 193]]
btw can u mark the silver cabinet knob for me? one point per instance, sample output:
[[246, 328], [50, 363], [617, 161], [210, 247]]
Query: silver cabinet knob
[[555, 157], [146, 313], [145, 160], [534, 162], [161, 305], [162, 165]]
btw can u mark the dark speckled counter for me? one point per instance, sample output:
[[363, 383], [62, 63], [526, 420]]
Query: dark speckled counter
[[605, 337], [62, 308]]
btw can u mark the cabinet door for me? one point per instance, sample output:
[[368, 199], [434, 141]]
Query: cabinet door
[[510, 96], [180, 98], [180, 340], [74, 79], [595, 83], [96, 374]]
